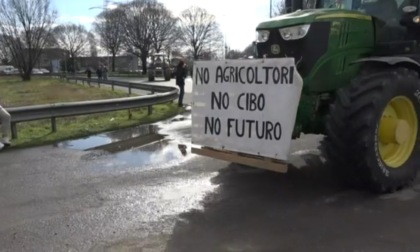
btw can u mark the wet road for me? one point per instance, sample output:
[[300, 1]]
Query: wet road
[[154, 198], [187, 88]]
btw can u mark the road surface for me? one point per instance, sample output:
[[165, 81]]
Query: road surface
[[154, 198], [105, 194], [187, 88]]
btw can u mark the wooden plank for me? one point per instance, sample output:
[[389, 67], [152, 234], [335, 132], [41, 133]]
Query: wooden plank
[[245, 159]]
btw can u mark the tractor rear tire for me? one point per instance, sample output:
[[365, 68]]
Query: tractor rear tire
[[167, 75], [371, 143]]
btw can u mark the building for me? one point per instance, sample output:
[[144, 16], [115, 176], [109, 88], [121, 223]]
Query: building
[[123, 63], [54, 59]]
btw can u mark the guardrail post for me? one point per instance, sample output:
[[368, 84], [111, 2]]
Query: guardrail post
[[112, 85], [53, 124], [14, 130], [129, 88], [150, 107]]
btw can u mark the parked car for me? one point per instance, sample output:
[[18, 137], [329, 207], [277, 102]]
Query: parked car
[[12, 71], [6, 69], [37, 71], [44, 70]]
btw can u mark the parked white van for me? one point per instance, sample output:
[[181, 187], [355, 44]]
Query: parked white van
[[6, 69]]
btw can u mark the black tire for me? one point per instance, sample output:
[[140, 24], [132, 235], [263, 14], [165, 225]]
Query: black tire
[[351, 142], [167, 74]]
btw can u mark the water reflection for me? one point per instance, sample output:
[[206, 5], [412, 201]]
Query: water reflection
[[162, 144], [95, 141], [85, 143], [126, 134], [155, 154]]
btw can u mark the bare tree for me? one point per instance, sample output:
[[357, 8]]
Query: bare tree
[[110, 30], [138, 28], [249, 51], [163, 27], [234, 54], [73, 38], [5, 53], [173, 45], [92, 45], [279, 8], [26, 27], [200, 30]]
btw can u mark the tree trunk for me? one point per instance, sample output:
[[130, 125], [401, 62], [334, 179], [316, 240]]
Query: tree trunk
[[26, 76], [195, 54], [74, 65], [144, 63], [113, 62]]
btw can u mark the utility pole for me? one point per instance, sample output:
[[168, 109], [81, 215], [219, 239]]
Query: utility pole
[[271, 6]]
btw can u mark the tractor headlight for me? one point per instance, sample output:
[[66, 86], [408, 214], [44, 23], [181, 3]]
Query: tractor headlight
[[262, 36], [294, 32]]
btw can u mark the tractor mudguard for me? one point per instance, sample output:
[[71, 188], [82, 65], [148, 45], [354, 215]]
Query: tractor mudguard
[[392, 60]]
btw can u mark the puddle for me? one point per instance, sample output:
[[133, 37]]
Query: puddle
[[165, 143], [157, 154], [85, 143], [107, 138]]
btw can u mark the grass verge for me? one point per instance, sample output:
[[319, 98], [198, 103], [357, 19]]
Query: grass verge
[[14, 92], [39, 132], [44, 90]]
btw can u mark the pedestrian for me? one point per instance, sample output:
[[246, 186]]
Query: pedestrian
[[89, 74], [180, 75], [5, 121], [105, 73], [99, 73]]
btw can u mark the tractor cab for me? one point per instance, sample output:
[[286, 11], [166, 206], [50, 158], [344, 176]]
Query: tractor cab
[[159, 67], [330, 33], [394, 19]]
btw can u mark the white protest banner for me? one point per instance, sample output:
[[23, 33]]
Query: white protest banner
[[246, 106]]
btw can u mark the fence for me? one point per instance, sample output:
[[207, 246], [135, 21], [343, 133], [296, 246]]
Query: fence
[[158, 95]]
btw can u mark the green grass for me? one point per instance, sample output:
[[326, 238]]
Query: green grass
[[45, 90], [14, 92]]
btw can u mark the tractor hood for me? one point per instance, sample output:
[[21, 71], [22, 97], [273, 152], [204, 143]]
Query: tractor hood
[[309, 16]]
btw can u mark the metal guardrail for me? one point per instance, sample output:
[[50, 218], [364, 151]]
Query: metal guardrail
[[56, 110]]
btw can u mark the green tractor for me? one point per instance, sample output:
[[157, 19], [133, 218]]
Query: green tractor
[[159, 67], [359, 60]]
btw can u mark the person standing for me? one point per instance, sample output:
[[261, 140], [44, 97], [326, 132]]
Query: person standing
[[180, 75], [99, 73], [89, 74], [5, 121]]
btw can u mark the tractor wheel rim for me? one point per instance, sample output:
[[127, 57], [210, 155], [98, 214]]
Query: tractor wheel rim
[[398, 128]]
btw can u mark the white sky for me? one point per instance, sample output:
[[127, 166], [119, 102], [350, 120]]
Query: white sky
[[237, 18]]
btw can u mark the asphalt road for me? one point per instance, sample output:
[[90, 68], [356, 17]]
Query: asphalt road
[[154, 198], [159, 81]]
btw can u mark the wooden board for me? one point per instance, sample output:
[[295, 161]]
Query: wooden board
[[245, 159]]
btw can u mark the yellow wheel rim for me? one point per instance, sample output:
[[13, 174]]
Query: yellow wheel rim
[[397, 131]]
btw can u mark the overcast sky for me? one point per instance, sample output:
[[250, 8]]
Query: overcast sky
[[237, 18]]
